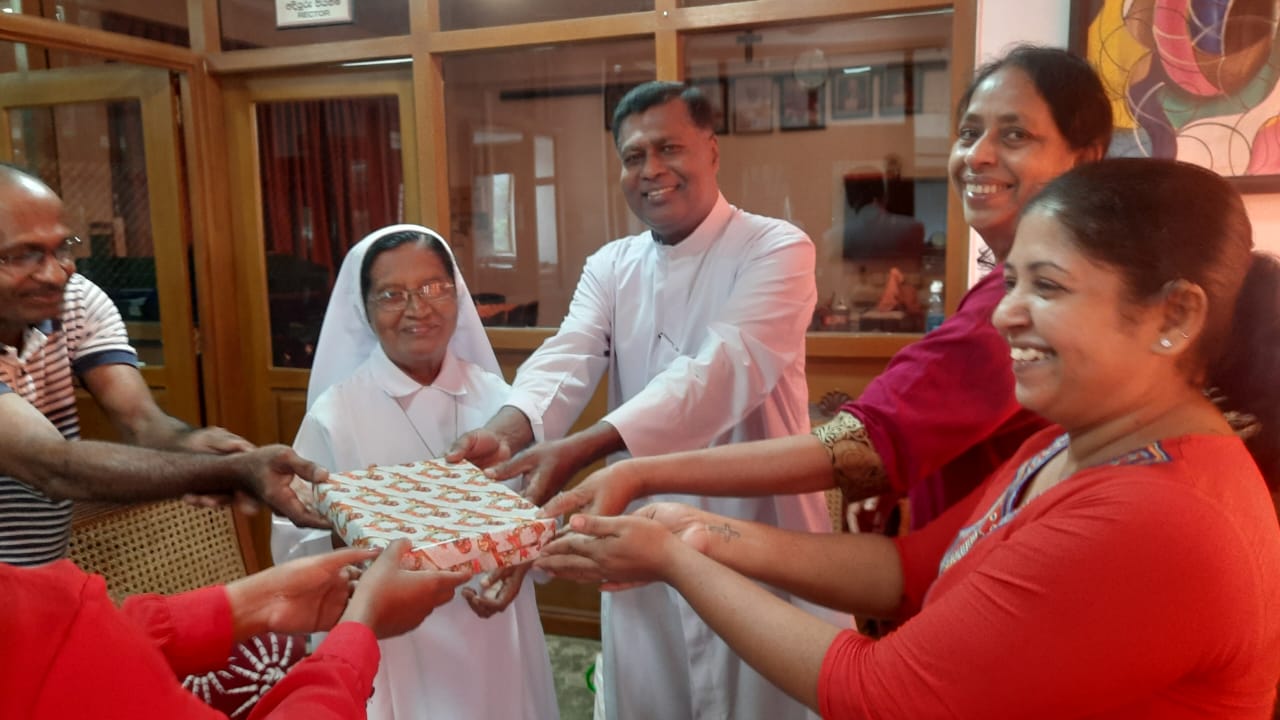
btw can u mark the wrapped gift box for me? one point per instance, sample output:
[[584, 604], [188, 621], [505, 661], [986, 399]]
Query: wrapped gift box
[[455, 516]]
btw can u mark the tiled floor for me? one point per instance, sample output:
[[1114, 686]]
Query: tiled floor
[[571, 657]]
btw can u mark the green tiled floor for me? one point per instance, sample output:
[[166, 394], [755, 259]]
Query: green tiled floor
[[570, 658]]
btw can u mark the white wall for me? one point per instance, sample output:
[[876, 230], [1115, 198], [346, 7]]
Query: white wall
[[1005, 22]]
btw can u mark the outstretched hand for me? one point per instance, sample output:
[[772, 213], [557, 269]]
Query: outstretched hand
[[219, 441], [497, 590], [623, 551], [481, 447], [300, 596], [546, 467], [393, 600], [506, 433], [272, 473], [216, 440], [605, 492]]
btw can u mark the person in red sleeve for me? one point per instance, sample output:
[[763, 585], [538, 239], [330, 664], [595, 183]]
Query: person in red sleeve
[[69, 652], [1124, 564]]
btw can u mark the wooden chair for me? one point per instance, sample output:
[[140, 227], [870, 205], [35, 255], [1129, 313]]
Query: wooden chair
[[171, 547], [163, 547]]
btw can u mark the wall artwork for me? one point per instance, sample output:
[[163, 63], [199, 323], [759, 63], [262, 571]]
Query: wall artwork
[[851, 93], [717, 92], [895, 89], [1194, 80], [752, 106], [801, 107]]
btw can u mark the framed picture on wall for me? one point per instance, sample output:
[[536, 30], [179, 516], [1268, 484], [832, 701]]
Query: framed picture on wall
[[801, 106], [851, 93], [1214, 103], [931, 87], [717, 92], [752, 104], [895, 89]]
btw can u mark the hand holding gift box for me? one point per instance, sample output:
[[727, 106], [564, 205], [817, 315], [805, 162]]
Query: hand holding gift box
[[456, 518]]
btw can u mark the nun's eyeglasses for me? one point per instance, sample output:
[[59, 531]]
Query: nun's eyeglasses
[[397, 299]]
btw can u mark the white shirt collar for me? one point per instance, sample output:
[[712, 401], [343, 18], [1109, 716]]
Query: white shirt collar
[[397, 383], [702, 237]]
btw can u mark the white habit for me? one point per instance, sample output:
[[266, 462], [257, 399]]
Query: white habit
[[456, 664]]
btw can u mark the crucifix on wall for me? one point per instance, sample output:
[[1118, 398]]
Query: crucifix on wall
[[748, 39]]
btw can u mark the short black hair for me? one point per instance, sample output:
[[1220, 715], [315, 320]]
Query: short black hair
[[394, 240], [659, 92], [1069, 86]]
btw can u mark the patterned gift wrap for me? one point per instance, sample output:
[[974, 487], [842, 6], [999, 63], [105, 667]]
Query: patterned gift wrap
[[455, 516]]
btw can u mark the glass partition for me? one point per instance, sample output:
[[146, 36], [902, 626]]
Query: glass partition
[[331, 172], [104, 189], [463, 14], [533, 174], [843, 129]]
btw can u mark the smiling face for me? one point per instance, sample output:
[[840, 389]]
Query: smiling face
[[668, 169], [416, 337], [1007, 147], [1081, 348], [31, 218]]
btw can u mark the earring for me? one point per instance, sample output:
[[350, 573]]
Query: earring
[[1166, 343]]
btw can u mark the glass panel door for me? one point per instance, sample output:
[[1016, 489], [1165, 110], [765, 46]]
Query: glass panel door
[[317, 163], [105, 139]]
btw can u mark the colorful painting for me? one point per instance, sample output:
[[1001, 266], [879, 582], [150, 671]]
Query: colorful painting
[[1194, 80]]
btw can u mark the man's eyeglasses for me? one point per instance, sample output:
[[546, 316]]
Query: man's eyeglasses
[[395, 300], [28, 259]]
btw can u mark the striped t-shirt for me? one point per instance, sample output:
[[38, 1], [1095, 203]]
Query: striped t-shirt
[[33, 528]]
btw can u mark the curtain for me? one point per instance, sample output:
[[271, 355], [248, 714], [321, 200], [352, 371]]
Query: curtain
[[331, 173]]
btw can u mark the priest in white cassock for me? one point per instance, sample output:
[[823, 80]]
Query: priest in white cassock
[[402, 367], [700, 322]]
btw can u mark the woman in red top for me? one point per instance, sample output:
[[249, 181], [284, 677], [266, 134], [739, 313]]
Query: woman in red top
[[1124, 564]]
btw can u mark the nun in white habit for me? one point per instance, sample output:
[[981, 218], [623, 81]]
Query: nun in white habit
[[398, 378]]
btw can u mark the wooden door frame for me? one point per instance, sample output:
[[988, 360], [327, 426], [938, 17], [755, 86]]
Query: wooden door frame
[[277, 394]]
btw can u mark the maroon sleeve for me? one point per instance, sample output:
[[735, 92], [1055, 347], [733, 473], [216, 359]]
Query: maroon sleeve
[[193, 630], [334, 682], [943, 394], [1083, 609]]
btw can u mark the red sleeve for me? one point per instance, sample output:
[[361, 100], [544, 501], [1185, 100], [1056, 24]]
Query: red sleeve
[[1091, 605], [942, 395], [334, 682], [193, 630], [920, 552], [68, 651]]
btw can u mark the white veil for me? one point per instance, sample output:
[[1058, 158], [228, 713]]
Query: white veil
[[346, 339]]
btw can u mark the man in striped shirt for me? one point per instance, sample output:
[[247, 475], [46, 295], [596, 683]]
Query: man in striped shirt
[[53, 324]]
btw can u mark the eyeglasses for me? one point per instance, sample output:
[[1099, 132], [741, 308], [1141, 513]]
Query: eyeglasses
[[396, 299], [30, 258]]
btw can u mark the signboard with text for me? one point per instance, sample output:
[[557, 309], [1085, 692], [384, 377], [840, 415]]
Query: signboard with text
[[304, 13]]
